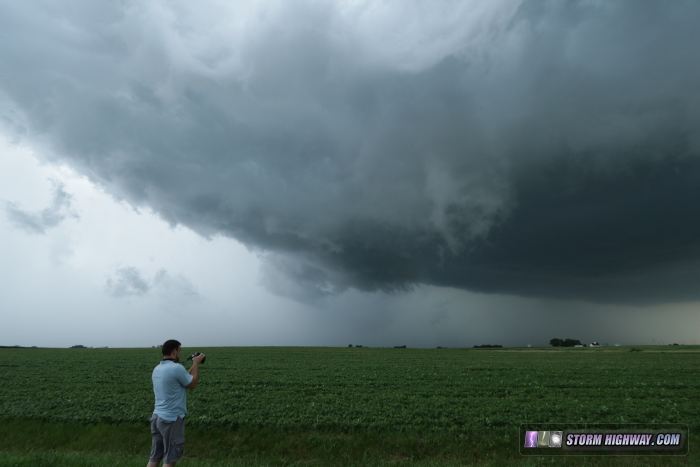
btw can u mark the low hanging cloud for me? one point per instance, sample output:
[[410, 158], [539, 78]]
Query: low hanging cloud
[[129, 281], [174, 285], [541, 148], [48, 218]]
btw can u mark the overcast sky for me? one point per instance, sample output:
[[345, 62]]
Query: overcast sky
[[326, 173]]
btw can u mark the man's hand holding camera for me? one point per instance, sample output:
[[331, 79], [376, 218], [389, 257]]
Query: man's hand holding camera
[[198, 358]]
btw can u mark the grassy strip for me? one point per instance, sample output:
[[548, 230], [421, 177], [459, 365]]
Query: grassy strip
[[254, 445], [36, 442], [91, 459]]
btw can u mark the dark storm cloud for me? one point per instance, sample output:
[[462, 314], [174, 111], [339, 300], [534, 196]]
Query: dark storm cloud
[[538, 148], [40, 222]]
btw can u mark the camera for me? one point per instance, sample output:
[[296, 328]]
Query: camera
[[195, 354]]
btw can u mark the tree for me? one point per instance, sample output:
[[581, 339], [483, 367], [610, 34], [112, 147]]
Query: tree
[[556, 342]]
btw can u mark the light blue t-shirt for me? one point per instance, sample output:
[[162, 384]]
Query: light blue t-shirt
[[169, 381]]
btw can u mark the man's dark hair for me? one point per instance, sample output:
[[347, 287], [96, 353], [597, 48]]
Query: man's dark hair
[[169, 346]]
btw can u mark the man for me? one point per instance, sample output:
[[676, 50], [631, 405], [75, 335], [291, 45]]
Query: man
[[170, 384]]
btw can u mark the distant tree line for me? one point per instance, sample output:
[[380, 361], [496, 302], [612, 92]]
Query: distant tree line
[[557, 342]]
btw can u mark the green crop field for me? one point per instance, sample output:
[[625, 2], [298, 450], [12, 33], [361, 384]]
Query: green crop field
[[340, 406]]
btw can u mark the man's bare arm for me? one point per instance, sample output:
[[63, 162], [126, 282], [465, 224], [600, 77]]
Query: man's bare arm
[[194, 371]]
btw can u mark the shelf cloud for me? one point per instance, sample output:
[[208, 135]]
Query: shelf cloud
[[538, 148]]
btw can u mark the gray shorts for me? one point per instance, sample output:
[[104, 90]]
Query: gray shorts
[[168, 439]]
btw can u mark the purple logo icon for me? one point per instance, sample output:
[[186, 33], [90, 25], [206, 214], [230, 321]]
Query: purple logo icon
[[530, 439]]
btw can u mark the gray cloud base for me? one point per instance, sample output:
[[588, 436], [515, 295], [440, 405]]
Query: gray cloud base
[[537, 148]]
